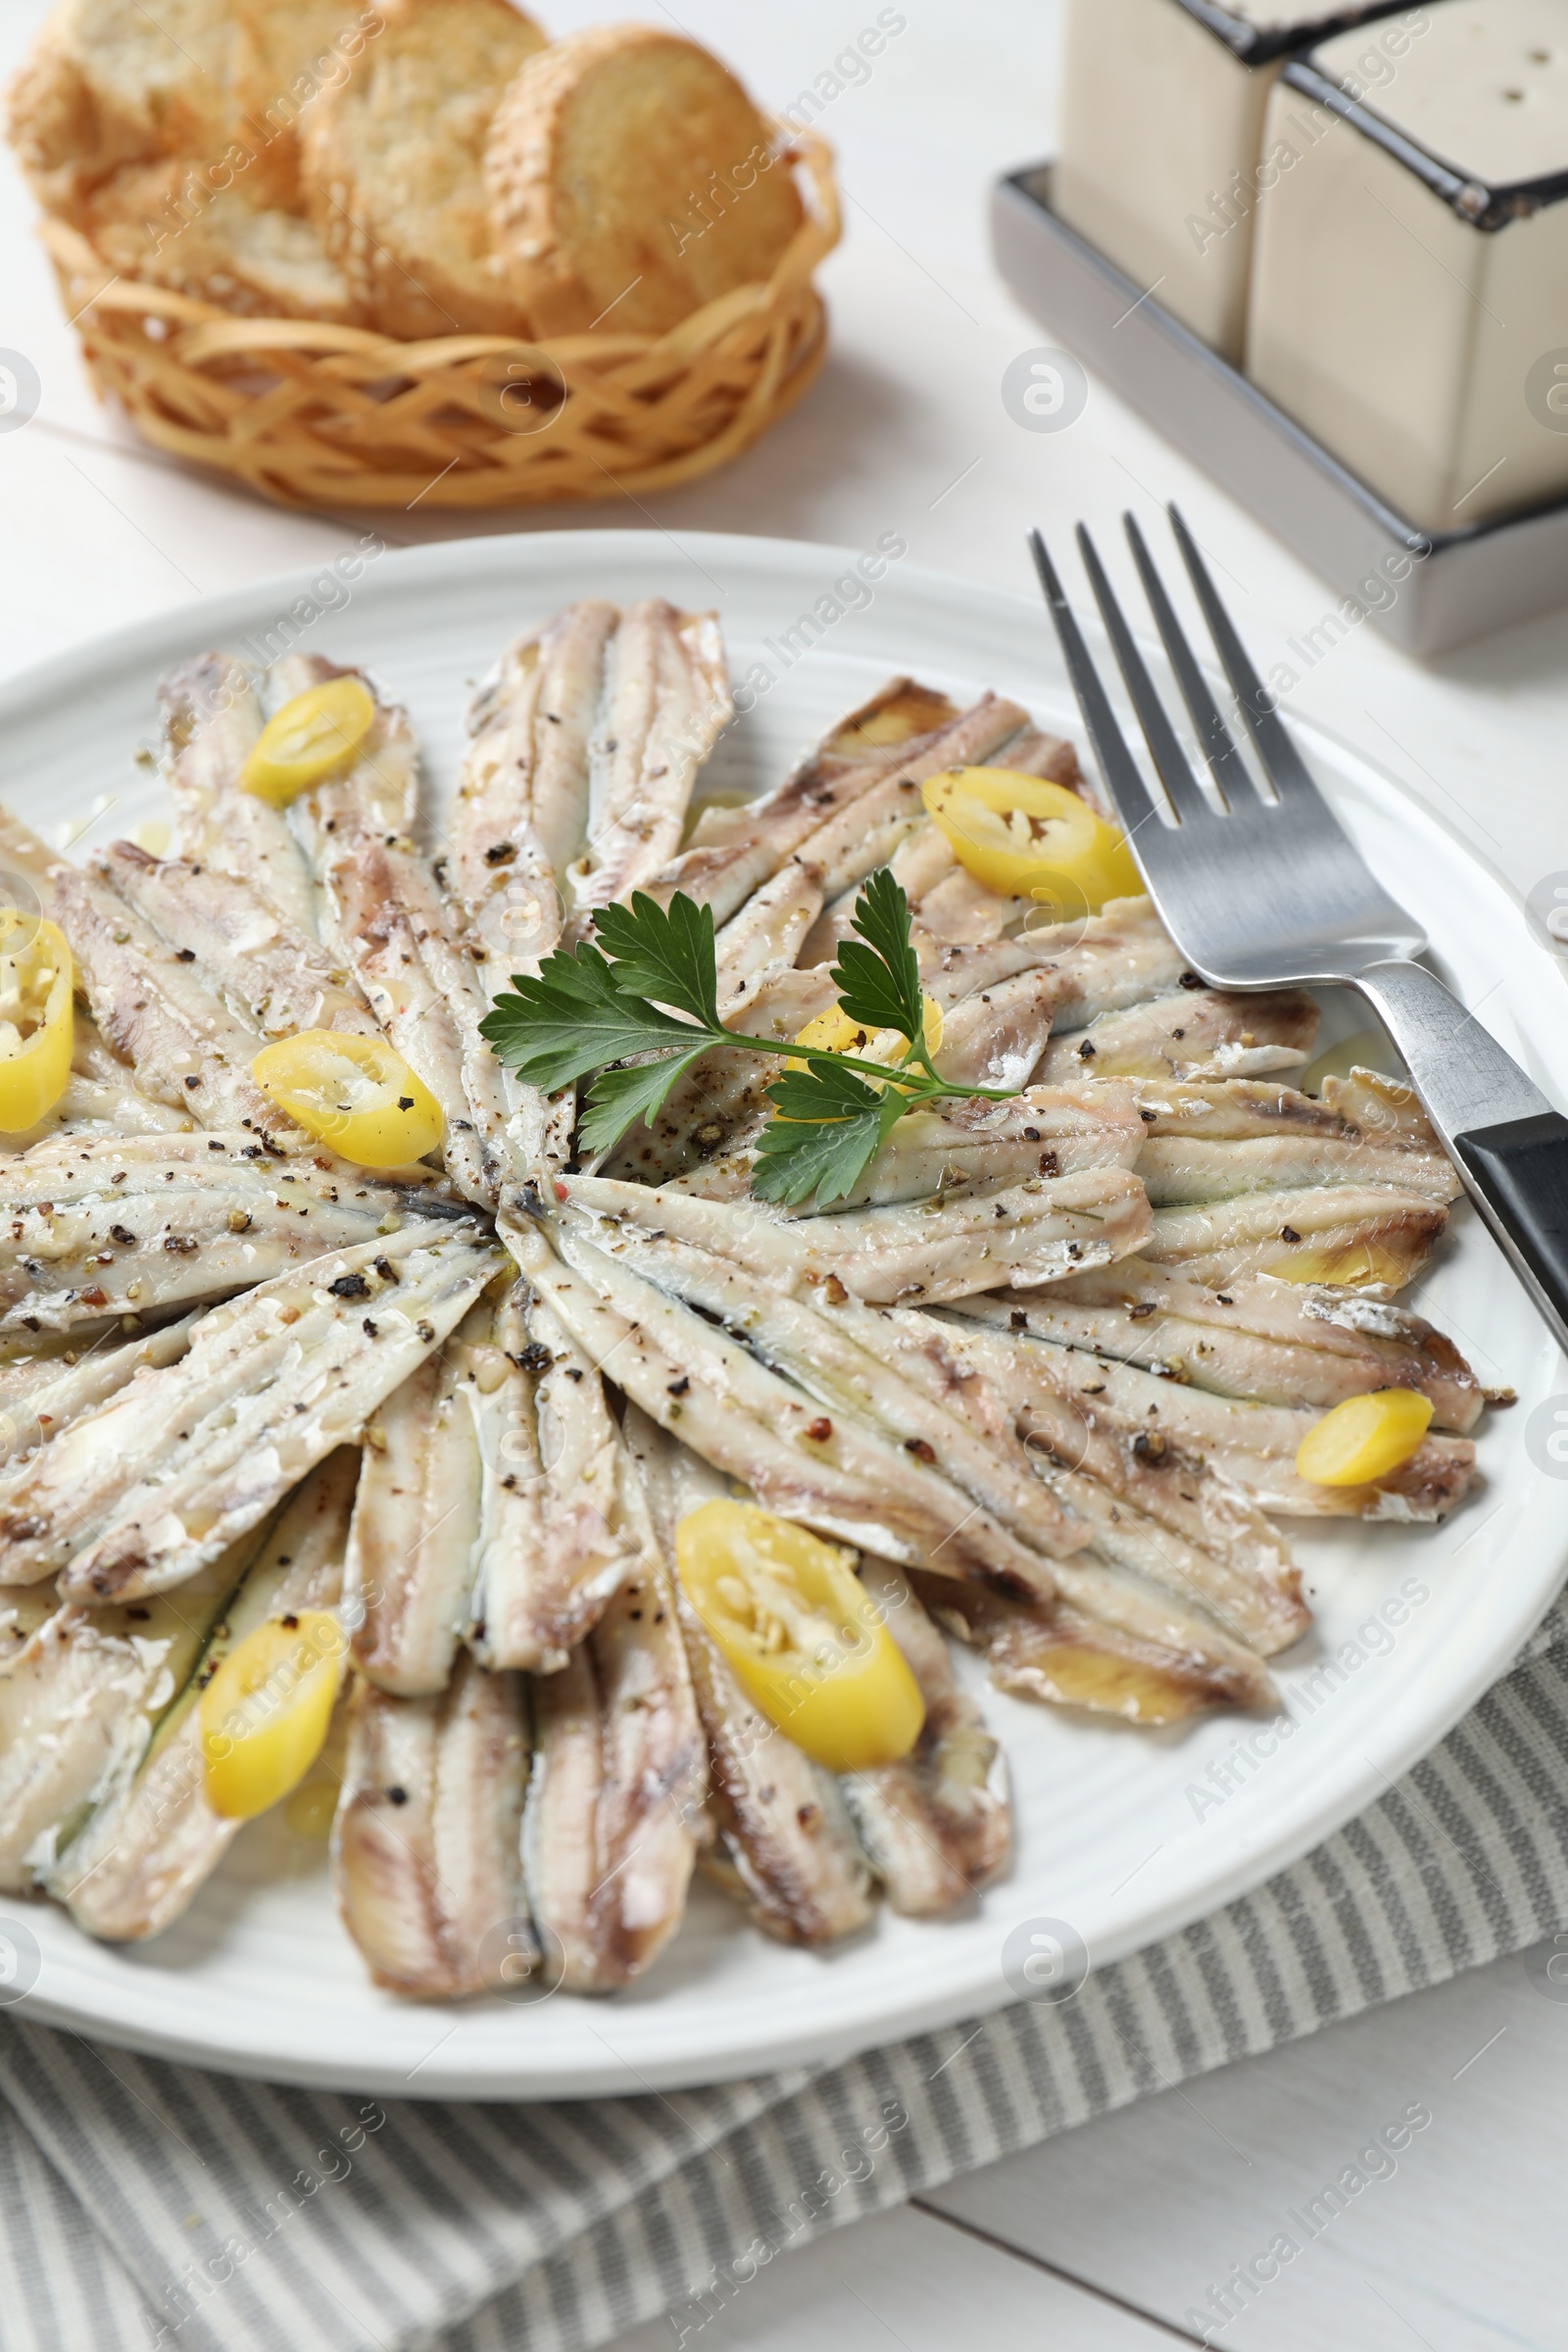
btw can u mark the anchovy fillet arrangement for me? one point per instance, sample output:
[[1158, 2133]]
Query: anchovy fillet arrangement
[[137, 1495], [145, 1223], [150, 1842], [1045, 1360]]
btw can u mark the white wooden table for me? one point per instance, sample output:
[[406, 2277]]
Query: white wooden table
[[1101, 2241]]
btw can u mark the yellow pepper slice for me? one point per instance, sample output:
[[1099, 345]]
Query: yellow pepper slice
[[835, 1032], [37, 1021], [266, 1713], [311, 738], [800, 1635], [352, 1091], [1023, 836], [1349, 1265], [1364, 1439]]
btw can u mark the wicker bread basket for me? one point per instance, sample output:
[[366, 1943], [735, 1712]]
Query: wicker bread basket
[[314, 415]]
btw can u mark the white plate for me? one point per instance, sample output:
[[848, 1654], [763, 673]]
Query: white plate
[[1119, 1836]]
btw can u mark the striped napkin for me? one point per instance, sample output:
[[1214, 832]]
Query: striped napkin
[[145, 2204]]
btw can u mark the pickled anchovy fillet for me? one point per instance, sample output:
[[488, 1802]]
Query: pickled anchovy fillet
[[1027, 1233], [1004, 1000], [991, 1036], [996, 1037], [950, 907], [211, 716], [147, 1849], [78, 1707], [750, 1423], [1373, 1105], [1379, 1111], [1277, 1343], [666, 703], [98, 1106], [184, 1046], [42, 1397], [589, 1546], [553, 1544], [142, 1493], [92, 1057], [1194, 1535], [866, 835], [1199, 1034], [1178, 1171], [24, 1353], [857, 820], [1065, 1659], [1251, 1445], [763, 940], [502, 1624], [410, 1554], [23, 1608], [1229, 1608], [270, 973], [509, 1128], [937, 1827], [385, 922], [849, 1358], [521, 813], [426, 1841], [521, 817], [928, 1387], [1107, 963], [1050, 1131], [1210, 1143], [1336, 1233], [138, 1224], [734, 850], [614, 1812], [878, 734], [789, 1849], [23, 850]]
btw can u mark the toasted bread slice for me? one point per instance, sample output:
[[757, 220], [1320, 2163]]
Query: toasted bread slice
[[630, 173], [223, 82], [52, 124], [160, 222], [393, 170], [109, 82], [287, 53]]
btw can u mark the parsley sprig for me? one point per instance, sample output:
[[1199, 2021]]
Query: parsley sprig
[[637, 1007]]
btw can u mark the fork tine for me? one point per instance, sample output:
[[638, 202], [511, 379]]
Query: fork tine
[[1282, 763], [1225, 763], [1185, 793], [1132, 801]]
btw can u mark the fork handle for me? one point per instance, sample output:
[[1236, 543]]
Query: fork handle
[[1508, 1144]]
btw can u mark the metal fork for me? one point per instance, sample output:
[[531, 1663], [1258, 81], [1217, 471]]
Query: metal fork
[[1273, 894]]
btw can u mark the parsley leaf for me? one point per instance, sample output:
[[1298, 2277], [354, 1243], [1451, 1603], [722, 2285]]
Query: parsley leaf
[[618, 1099], [666, 953], [879, 982], [600, 1012], [827, 1128], [572, 1019]]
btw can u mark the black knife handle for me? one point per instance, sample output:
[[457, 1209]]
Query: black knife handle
[[1518, 1172]]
